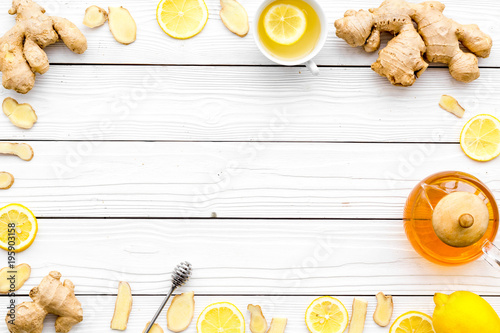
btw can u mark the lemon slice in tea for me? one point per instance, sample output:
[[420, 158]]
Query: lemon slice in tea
[[285, 24]]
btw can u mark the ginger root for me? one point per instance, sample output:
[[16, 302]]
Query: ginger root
[[278, 325], [122, 25], [123, 307], [451, 105], [358, 318], [181, 312], [13, 279], [235, 17], [258, 323], [21, 48], [6, 180], [21, 115], [383, 312], [21, 150], [95, 17], [51, 296], [438, 37], [154, 329]]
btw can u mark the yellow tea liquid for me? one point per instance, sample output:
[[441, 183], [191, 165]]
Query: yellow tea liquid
[[304, 45], [418, 217]]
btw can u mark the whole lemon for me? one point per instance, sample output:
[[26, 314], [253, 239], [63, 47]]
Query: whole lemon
[[464, 312]]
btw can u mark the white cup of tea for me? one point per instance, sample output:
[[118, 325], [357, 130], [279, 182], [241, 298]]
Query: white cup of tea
[[306, 48]]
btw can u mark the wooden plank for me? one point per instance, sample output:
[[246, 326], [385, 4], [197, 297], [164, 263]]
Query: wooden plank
[[216, 45], [273, 257], [279, 180], [246, 104], [98, 311]]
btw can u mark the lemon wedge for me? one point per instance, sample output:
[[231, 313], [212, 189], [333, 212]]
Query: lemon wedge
[[413, 322], [19, 223], [326, 315], [480, 138], [285, 24], [221, 317], [182, 19]]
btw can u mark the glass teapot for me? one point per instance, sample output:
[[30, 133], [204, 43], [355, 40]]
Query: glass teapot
[[451, 218]]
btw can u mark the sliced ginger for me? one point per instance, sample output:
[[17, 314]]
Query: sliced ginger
[[258, 323], [123, 306], [21, 150], [21, 115], [122, 25], [95, 17], [154, 329], [6, 180], [383, 312], [235, 17], [181, 312], [278, 325], [451, 105], [14, 278], [358, 318]]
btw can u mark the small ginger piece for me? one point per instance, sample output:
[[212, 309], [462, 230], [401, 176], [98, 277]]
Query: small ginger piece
[[278, 325], [235, 17], [6, 180], [451, 105], [21, 150], [50, 297], [21, 115], [181, 312], [358, 318], [95, 17], [13, 279], [123, 307], [154, 329], [383, 312], [258, 323], [122, 25]]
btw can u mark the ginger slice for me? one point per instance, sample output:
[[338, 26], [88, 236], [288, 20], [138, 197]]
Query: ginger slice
[[258, 323], [21, 150], [6, 180], [95, 17], [154, 329], [122, 25], [358, 318], [235, 17], [181, 312], [451, 105], [278, 325], [383, 312], [21, 115], [123, 306], [14, 277]]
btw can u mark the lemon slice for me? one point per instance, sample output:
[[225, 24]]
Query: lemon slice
[[23, 230], [221, 317], [480, 138], [182, 19], [413, 322], [285, 24], [326, 315]]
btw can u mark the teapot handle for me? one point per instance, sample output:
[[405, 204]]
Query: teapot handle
[[492, 254]]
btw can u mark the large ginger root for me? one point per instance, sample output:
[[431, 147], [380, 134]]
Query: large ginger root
[[438, 37], [21, 48], [51, 296]]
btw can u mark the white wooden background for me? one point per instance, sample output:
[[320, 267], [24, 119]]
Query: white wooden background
[[278, 186]]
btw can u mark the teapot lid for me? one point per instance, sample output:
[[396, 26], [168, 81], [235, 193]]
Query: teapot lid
[[460, 219]]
